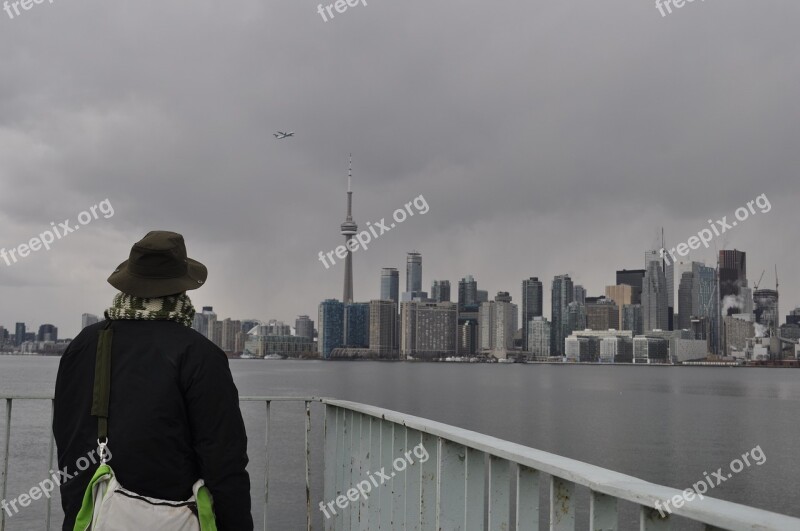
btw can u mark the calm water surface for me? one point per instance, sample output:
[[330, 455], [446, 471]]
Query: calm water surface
[[667, 425]]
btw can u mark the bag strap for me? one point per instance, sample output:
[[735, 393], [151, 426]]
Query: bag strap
[[102, 382]]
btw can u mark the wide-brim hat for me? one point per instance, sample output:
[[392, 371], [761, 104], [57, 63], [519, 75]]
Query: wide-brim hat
[[158, 266]]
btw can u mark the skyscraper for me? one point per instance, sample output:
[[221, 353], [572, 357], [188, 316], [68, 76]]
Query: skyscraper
[[356, 316], [331, 327], [47, 332], [428, 329], [705, 303], [498, 324], [632, 319], [88, 319], [561, 295], [576, 317], [383, 328], [602, 314], [532, 300], [654, 294], [538, 338], [414, 272], [766, 310], [467, 293], [230, 331], [440, 291], [621, 294], [205, 321], [579, 294], [685, 308], [632, 278], [19, 334], [390, 284], [304, 327], [349, 228], [732, 277]]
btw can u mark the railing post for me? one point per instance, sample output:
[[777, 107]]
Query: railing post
[[452, 512], [562, 504], [499, 495], [651, 520], [428, 491], [308, 466], [266, 464], [603, 512], [5, 460], [475, 489], [365, 459], [329, 479], [527, 499], [50, 459], [374, 505], [413, 484]]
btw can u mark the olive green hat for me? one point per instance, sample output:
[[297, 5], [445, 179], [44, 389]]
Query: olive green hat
[[158, 266]]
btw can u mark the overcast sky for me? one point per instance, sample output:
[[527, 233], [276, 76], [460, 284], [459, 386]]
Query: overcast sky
[[546, 138]]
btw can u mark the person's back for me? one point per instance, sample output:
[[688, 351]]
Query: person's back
[[173, 411]]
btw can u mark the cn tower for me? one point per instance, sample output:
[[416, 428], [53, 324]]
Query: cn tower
[[349, 228]]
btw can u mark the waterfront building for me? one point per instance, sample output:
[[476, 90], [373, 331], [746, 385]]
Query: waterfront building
[[621, 294], [765, 302], [230, 333], [304, 327], [47, 332], [383, 329], [88, 319], [561, 296], [634, 279], [602, 314], [357, 332], [650, 349], [440, 291], [579, 294], [654, 294], [19, 334], [428, 329], [331, 327], [467, 294], [732, 275], [538, 344], [532, 303], [390, 285], [736, 330]]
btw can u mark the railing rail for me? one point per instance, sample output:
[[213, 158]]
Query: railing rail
[[465, 483]]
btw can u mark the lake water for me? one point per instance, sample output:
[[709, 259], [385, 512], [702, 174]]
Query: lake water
[[667, 425]]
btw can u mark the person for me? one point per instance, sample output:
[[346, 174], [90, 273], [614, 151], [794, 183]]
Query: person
[[174, 412]]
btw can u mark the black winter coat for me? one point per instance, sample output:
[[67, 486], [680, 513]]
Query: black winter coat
[[173, 418]]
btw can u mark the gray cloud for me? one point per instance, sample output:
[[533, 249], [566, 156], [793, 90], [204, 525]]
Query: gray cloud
[[545, 138]]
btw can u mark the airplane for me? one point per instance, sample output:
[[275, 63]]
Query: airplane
[[281, 135]]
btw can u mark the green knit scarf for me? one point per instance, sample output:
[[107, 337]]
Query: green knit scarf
[[170, 308]]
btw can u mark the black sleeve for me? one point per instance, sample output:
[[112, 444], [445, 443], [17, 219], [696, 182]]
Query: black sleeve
[[71, 442], [219, 437]]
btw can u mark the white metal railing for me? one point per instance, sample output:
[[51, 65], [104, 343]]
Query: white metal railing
[[465, 484], [447, 492]]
